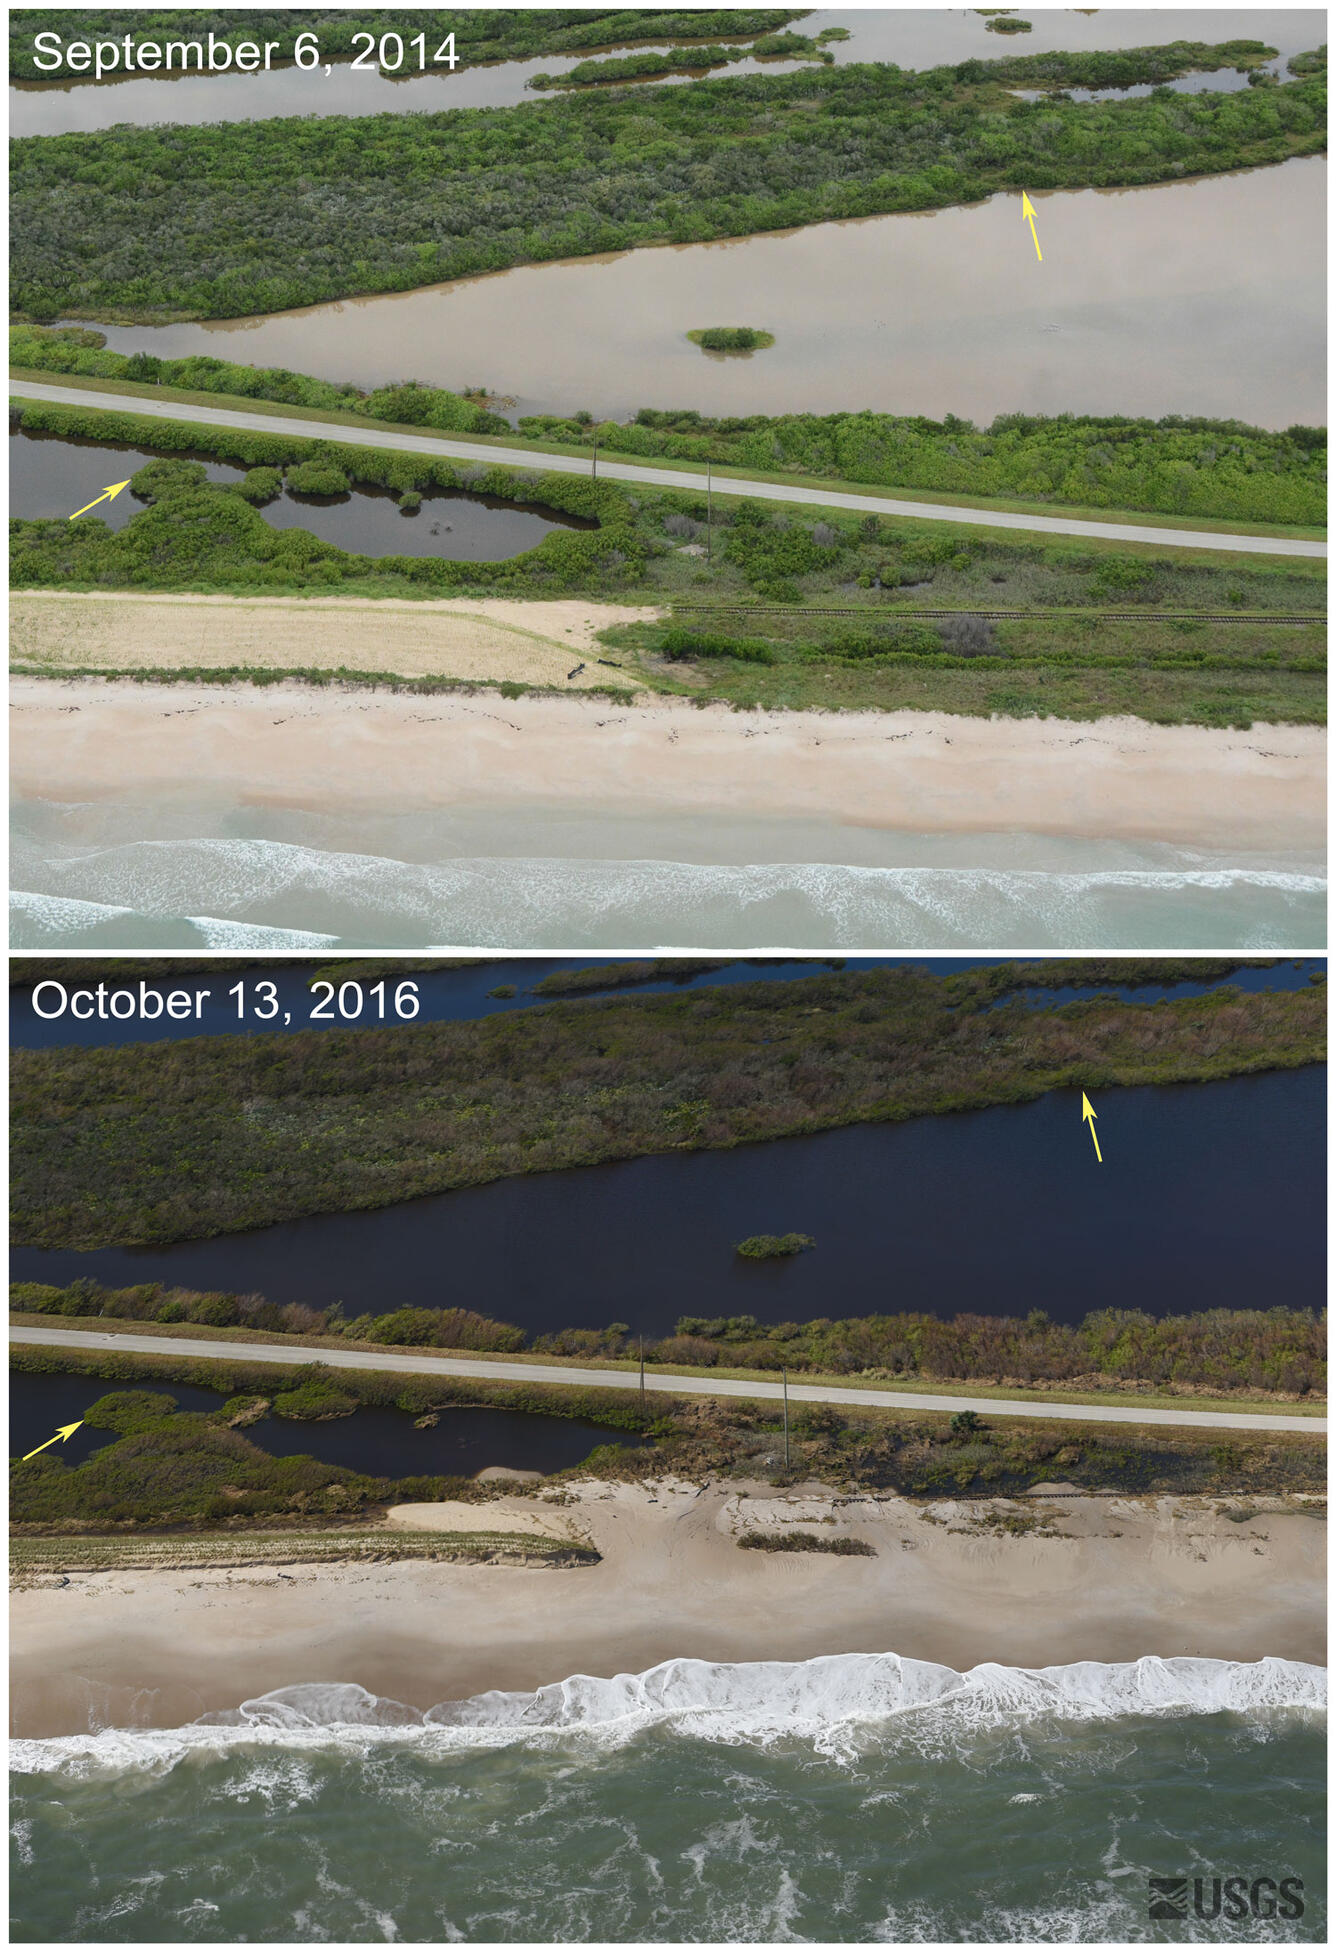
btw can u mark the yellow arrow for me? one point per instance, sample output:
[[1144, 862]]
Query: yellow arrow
[[108, 494], [1027, 211], [66, 1429], [1088, 1112]]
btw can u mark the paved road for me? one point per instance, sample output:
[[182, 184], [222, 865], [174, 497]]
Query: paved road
[[525, 1372], [768, 491]]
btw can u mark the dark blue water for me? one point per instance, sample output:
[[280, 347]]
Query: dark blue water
[[445, 995], [1209, 1196], [380, 1443], [51, 476]]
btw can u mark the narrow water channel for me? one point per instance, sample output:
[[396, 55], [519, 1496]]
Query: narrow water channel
[[1209, 1196], [380, 1443], [283, 990], [918, 38], [1146, 305]]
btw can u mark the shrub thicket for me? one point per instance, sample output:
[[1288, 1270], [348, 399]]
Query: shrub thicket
[[310, 1123], [411, 200]]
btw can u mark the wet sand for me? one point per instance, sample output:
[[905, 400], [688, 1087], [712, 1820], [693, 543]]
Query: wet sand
[[368, 752], [1119, 1579]]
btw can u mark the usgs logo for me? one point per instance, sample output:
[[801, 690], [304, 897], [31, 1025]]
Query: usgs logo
[[1232, 1898]]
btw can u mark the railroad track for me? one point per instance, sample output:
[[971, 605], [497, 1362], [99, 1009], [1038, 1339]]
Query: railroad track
[[685, 605]]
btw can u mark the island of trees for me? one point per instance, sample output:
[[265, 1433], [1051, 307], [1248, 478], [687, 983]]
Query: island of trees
[[731, 338], [330, 207], [182, 1140]]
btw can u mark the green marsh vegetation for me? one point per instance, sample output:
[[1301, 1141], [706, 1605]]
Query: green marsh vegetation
[[332, 207], [183, 1140], [481, 34], [843, 1547], [175, 1478], [731, 338], [762, 549], [197, 536], [1194, 468], [624, 975], [164, 1467], [1168, 671], [1272, 1352], [687, 59], [1175, 466], [82, 351], [773, 1247]]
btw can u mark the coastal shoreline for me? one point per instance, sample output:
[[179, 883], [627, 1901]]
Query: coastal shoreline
[[318, 749], [1031, 1582]]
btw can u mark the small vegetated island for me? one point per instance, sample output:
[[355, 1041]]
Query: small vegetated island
[[330, 207], [774, 1247], [731, 338]]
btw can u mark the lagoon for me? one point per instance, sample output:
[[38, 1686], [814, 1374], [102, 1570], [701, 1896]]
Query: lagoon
[[50, 475], [1144, 304], [919, 38], [379, 1442], [1209, 1196]]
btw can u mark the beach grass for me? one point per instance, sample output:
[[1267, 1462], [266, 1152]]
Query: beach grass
[[30, 1558]]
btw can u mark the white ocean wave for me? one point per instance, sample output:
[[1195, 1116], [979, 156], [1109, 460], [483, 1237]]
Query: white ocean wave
[[833, 1696], [306, 893], [254, 935]]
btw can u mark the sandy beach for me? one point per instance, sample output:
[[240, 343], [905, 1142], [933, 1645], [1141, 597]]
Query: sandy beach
[[1105, 1579], [915, 772]]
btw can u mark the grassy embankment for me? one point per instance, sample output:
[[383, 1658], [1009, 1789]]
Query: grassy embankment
[[1184, 472], [580, 446], [195, 536], [185, 1140], [151, 234], [195, 1472], [1260, 1360]]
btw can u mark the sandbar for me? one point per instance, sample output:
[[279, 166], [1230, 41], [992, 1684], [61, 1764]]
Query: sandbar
[[1100, 1578]]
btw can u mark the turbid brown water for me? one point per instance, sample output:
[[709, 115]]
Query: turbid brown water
[[1203, 297], [920, 38]]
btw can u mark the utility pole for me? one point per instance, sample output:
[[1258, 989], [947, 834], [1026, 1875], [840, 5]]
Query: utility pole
[[642, 1375], [709, 512], [786, 1423]]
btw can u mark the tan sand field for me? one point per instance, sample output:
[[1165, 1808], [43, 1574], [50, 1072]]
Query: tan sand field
[[525, 642], [350, 750], [1107, 1579]]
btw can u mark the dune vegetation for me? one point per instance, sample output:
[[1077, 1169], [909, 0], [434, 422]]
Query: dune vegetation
[[175, 1472]]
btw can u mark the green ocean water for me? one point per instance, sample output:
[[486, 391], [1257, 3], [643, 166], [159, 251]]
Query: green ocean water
[[857, 1800]]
